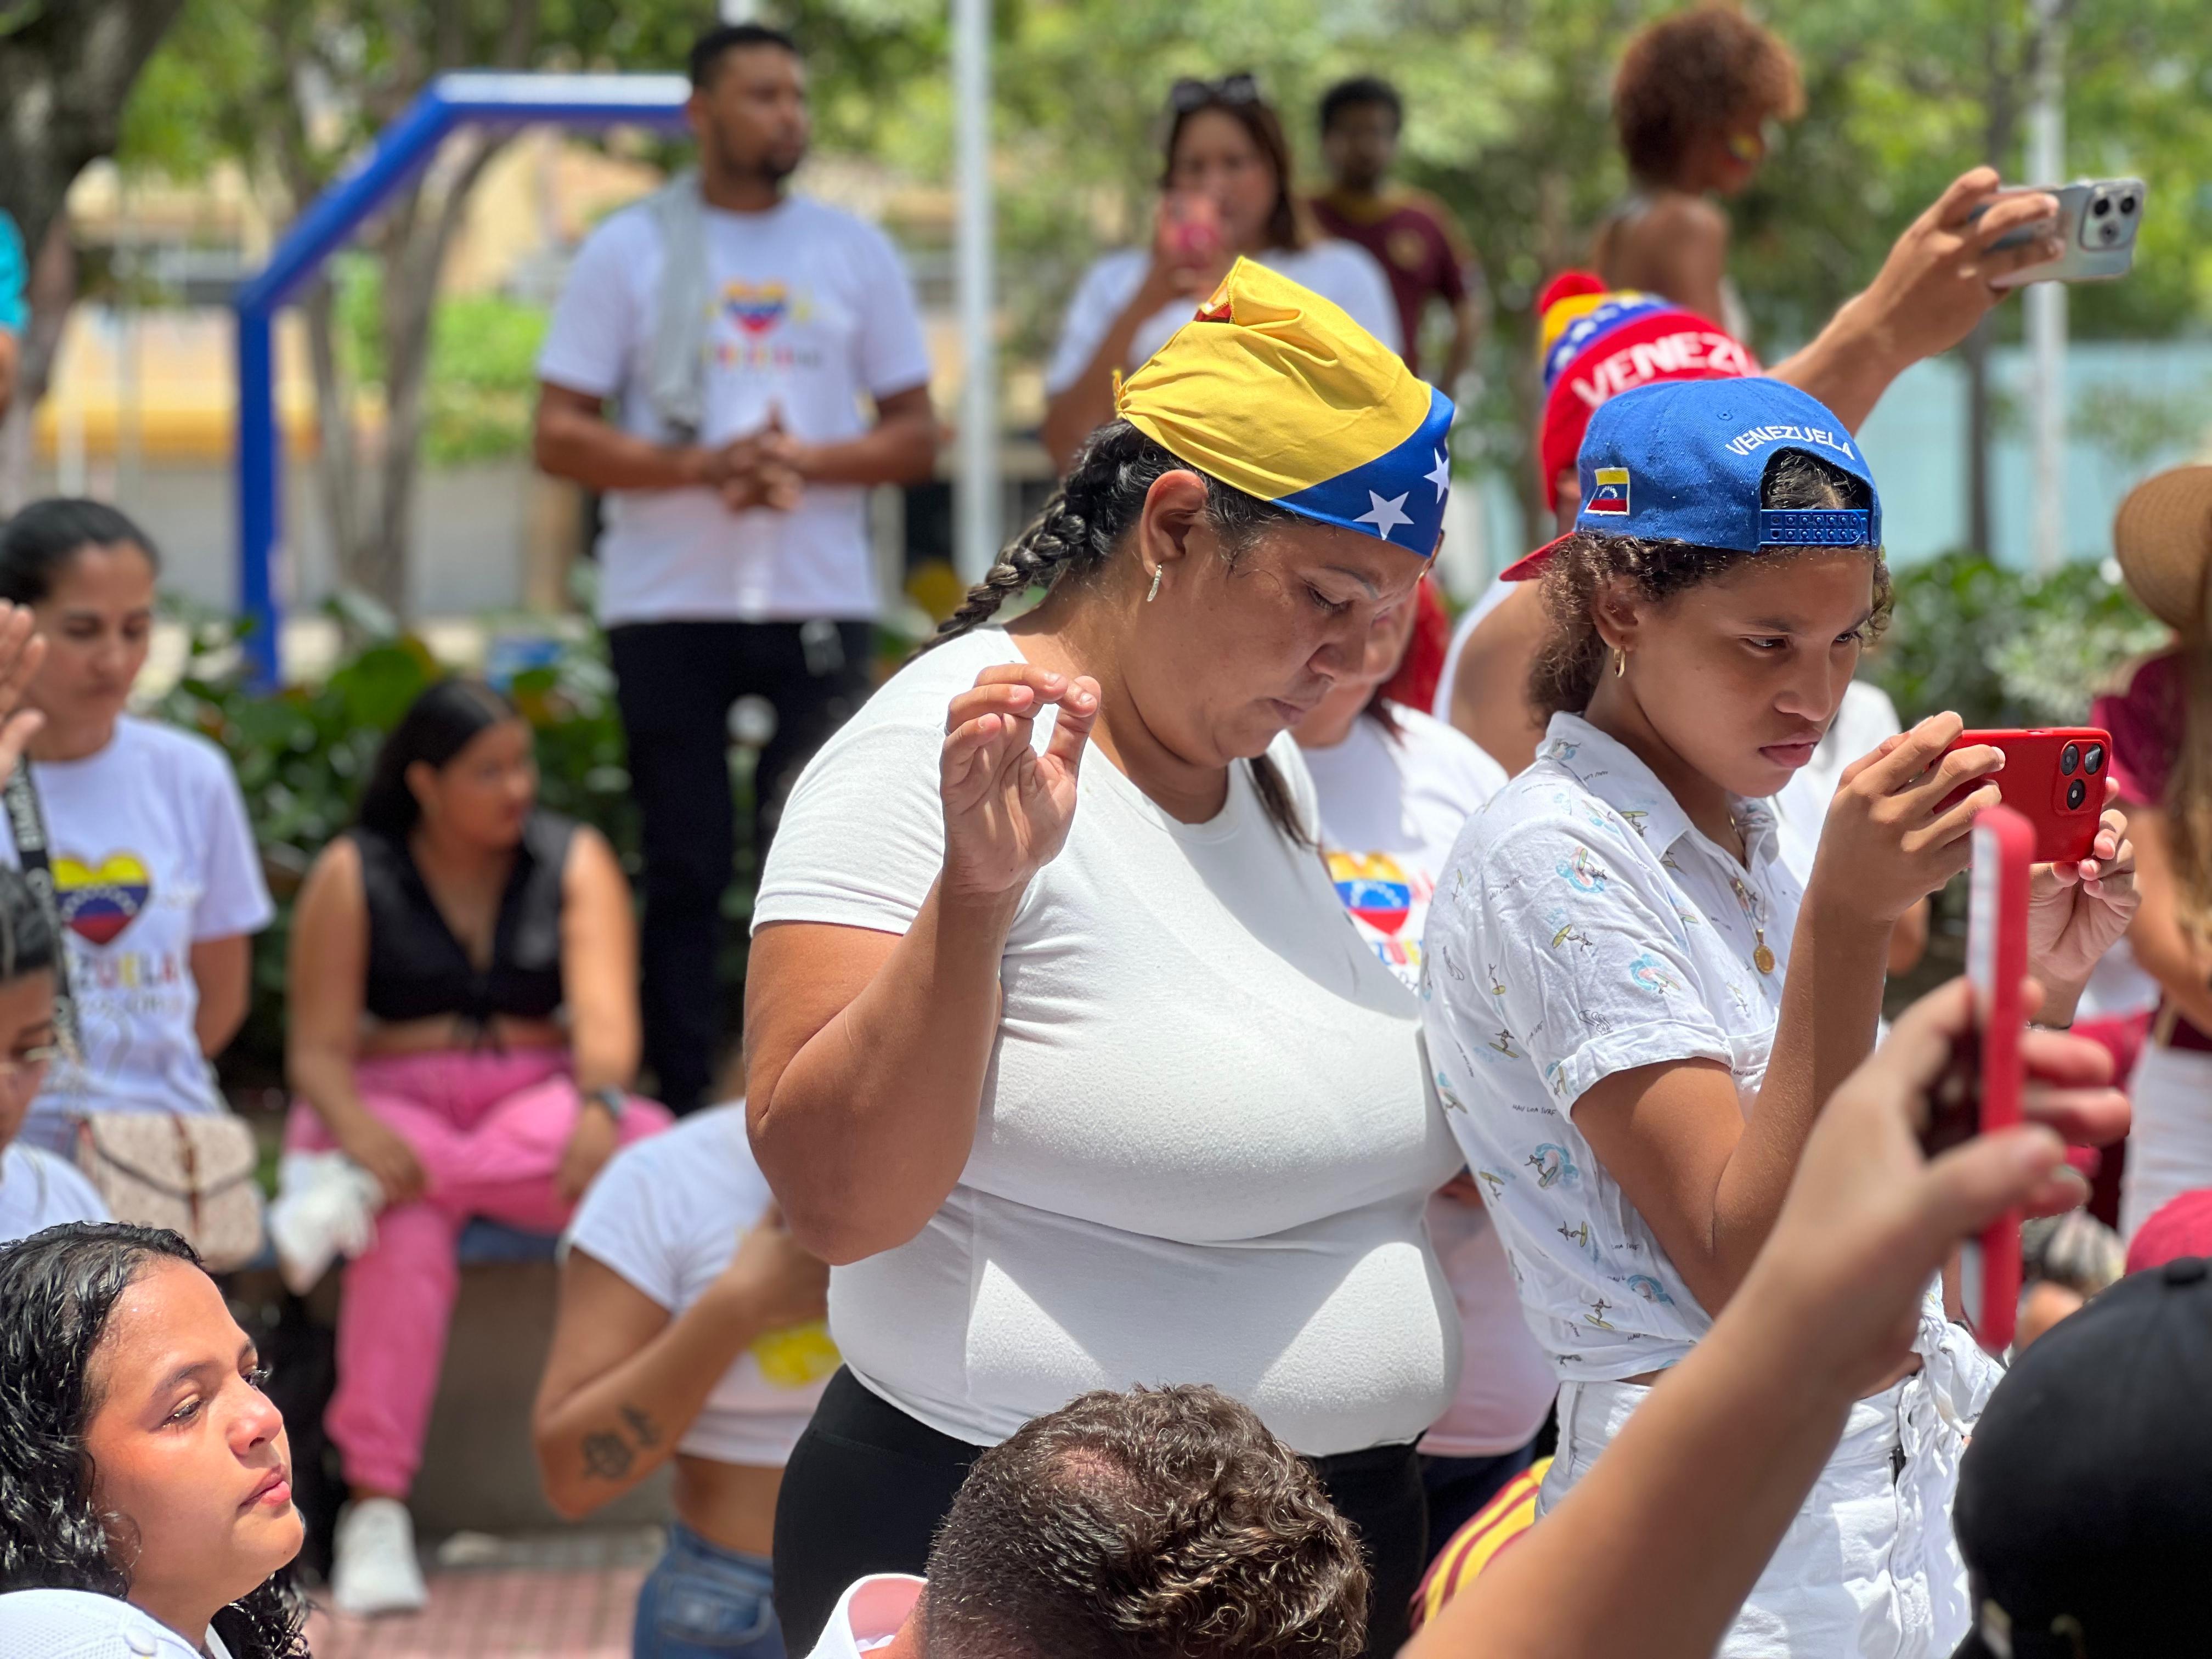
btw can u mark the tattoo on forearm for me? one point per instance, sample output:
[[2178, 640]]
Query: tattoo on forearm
[[606, 1457]]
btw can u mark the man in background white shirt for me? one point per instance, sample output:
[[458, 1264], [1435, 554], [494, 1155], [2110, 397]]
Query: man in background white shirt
[[716, 399]]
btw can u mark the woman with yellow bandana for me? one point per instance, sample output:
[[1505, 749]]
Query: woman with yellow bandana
[[1067, 1060]]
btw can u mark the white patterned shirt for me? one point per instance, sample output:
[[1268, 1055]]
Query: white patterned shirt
[[1583, 927]]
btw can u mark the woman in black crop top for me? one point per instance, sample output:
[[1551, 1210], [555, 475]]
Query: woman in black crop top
[[463, 1024]]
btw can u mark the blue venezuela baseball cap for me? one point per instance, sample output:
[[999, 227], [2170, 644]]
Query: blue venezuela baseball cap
[[1684, 460]]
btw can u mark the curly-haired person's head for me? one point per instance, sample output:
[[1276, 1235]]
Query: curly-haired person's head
[[1693, 91], [138, 1457], [1162, 1523]]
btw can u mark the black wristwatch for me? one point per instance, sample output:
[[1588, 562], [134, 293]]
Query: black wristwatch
[[612, 1099]]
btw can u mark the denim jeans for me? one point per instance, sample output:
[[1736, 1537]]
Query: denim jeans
[[702, 1602]]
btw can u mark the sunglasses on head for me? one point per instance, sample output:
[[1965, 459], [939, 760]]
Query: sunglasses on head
[[1191, 94]]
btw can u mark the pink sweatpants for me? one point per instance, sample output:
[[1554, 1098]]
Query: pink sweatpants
[[490, 1129]]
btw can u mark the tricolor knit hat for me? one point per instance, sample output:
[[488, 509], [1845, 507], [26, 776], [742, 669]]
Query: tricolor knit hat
[[1596, 343]]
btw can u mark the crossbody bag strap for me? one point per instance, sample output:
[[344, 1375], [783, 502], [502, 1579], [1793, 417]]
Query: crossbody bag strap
[[27, 822]]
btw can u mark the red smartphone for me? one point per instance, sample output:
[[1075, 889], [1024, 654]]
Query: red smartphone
[[2053, 777], [1996, 963]]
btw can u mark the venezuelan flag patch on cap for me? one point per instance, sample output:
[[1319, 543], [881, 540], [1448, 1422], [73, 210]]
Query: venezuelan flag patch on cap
[[1277, 393]]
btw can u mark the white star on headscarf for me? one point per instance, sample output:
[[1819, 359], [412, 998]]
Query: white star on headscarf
[[1385, 516], [1442, 476]]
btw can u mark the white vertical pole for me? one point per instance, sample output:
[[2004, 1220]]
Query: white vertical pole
[[2046, 302], [737, 11], [975, 496]]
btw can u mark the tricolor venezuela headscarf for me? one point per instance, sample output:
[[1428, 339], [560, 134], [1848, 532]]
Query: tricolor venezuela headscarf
[[1276, 392]]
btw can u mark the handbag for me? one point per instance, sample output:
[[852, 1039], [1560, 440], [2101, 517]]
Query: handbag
[[189, 1172], [192, 1172]]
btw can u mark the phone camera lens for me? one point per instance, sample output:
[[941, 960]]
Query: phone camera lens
[[2069, 758], [2092, 757], [2127, 205], [2076, 792], [2104, 206]]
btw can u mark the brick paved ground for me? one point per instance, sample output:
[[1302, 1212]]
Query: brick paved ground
[[565, 1596]]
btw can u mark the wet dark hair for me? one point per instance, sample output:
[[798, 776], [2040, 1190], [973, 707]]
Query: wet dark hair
[[1573, 655], [26, 930], [710, 48], [1162, 1523], [1286, 225], [1359, 90], [1700, 70], [437, 725], [38, 542], [58, 1288], [1084, 523]]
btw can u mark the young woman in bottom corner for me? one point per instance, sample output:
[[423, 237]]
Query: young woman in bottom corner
[[145, 1479], [1637, 1011]]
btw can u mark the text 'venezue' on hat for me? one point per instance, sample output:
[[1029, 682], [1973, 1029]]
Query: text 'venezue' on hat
[[1276, 391], [1596, 343]]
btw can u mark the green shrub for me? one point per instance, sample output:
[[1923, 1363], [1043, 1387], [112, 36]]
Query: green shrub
[[2007, 647]]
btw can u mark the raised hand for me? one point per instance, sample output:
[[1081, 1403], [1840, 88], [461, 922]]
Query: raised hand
[[1007, 808], [1935, 284], [21, 651]]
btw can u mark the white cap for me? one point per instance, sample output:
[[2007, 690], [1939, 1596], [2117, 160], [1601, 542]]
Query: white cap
[[66, 1624]]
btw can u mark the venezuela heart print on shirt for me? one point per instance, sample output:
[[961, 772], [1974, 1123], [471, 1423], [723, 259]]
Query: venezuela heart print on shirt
[[98, 901]]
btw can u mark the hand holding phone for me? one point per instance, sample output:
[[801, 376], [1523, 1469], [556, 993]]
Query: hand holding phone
[[1189, 232], [2097, 220]]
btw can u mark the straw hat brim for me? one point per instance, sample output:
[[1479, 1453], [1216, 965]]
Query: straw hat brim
[[2162, 536]]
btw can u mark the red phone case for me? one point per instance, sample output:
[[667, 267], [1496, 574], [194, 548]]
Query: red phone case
[[1996, 963], [2038, 785]]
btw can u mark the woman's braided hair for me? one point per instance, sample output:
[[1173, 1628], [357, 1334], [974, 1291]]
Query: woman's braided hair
[[1572, 660], [1086, 521]]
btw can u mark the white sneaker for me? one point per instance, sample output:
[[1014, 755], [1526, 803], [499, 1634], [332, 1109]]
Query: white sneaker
[[325, 1206], [374, 1570]]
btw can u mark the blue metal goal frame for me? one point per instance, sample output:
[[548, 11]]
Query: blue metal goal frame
[[461, 98]]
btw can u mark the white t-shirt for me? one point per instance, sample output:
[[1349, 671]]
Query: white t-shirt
[[871, 1612], [151, 854], [1587, 927], [1340, 271], [68, 1624], [1864, 719], [1391, 806], [39, 1190], [813, 310], [667, 1213], [1204, 1142]]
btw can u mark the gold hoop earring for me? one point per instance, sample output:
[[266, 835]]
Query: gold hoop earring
[[1619, 662], [1159, 571]]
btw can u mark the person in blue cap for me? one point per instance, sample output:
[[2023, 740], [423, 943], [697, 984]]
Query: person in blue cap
[[1625, 1052]]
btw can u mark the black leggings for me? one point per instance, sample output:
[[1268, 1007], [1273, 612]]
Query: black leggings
[[867, 1484]]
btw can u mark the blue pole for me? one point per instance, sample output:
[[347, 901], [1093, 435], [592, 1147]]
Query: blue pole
[[400, 151], [260, 462]]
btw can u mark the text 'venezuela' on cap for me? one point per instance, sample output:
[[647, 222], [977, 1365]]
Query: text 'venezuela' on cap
[[2084, 1511], [1685, 461], [1276, 391]]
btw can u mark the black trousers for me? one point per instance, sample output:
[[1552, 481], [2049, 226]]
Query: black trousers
[[675, 682], [867, 1484]]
